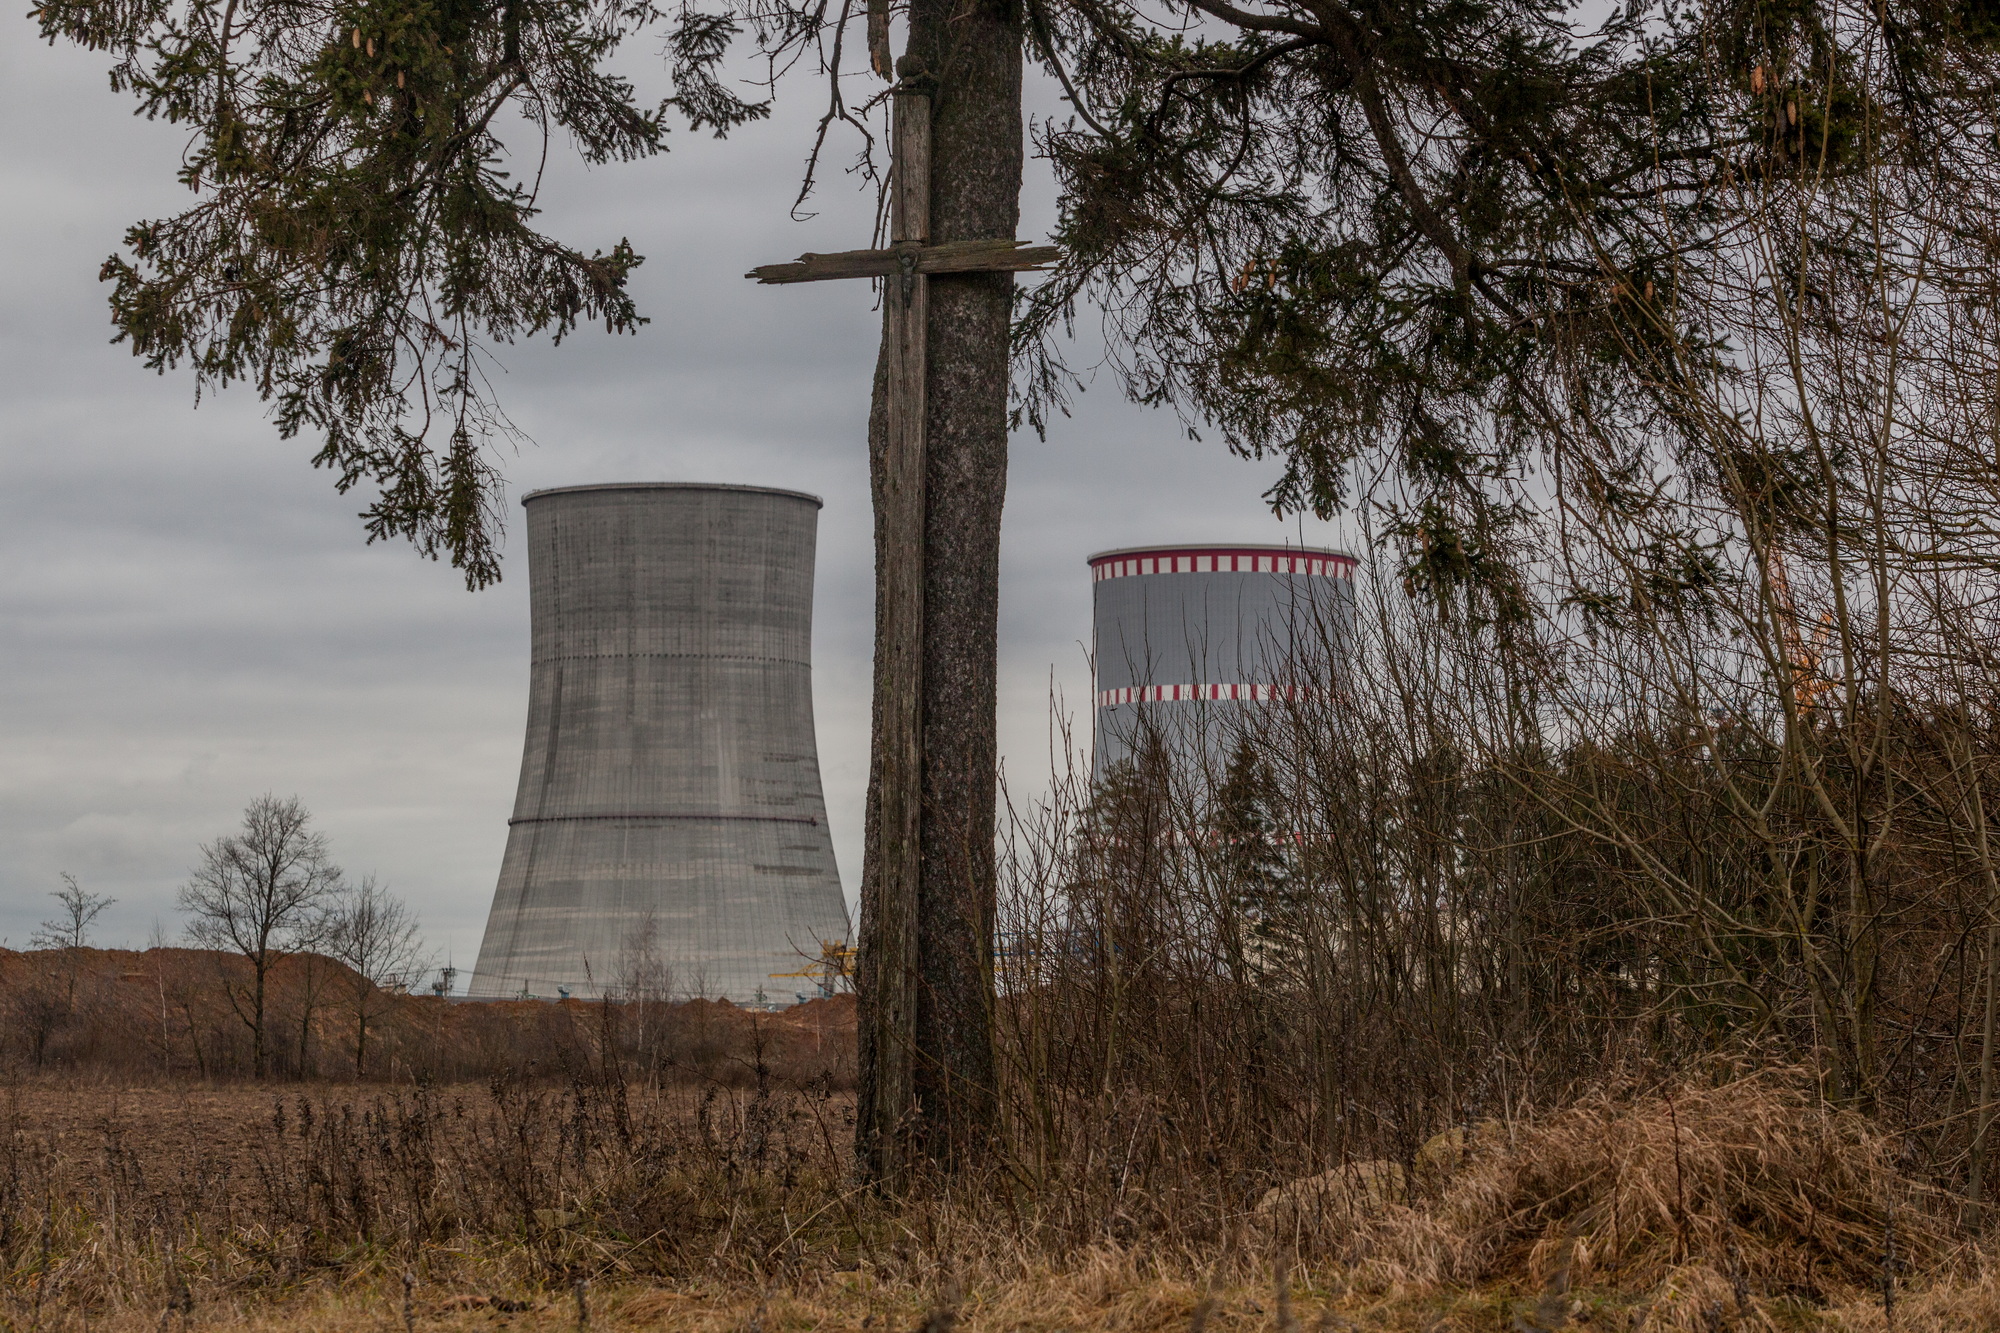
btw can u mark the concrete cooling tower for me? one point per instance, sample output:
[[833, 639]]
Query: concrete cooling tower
[[670, 787], [1183, 636]]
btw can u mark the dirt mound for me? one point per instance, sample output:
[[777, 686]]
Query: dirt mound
[[180, 1012]]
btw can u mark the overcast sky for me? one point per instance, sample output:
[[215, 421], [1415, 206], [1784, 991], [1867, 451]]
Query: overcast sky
[[189, 617]]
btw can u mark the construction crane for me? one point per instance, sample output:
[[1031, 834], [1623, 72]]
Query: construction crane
[[835, 962], [1801, 658]]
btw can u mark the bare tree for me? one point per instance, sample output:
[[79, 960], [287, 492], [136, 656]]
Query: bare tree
[[374, 933], [646, 985], [260, 894], [70, 930], [313, 971]]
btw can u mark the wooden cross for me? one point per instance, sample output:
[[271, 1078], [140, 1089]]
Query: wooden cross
[[890, 932]]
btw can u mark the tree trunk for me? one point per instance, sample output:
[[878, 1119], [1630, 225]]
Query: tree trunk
[[361, 1029], [262, 965], [308, 1001], [974, 53]]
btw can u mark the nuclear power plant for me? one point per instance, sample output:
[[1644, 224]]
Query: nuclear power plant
[[670, 796], [1184, 636]]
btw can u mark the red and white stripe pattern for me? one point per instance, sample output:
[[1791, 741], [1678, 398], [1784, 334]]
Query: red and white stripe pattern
[[1160, 694], [1221, 560]]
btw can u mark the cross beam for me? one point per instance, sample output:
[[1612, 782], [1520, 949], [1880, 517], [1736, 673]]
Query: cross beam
[[951, 257]]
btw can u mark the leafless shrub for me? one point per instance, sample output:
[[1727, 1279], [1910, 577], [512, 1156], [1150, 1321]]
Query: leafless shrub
[[375, 934], [71, 929]]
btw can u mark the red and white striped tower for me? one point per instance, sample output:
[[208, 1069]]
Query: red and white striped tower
[[1182, 633]]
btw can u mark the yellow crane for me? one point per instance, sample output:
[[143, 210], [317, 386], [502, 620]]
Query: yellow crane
[[834, 964], [1802, 658]]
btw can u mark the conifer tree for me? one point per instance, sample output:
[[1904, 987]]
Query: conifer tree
[[356, 247], [1476, 247], [1255, 869]]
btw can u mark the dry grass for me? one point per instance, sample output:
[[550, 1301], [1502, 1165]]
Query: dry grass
[[1733, 1205], [1108, 1290], [1752, 1179]]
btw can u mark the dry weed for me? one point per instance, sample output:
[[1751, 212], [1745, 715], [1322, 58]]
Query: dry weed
[[1751, 1180], [1342, 1198], [1742, 1205], [1949, 1306]]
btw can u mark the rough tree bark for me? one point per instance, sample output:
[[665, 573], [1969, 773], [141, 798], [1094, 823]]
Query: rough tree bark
[[973, 51]]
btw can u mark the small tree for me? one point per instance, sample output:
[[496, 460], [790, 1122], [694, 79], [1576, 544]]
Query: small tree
[[313, 972], [70, 930], [1256, 875], [260, 894], [374, 933], [646, 985]]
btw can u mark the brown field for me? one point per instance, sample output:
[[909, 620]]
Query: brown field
[[238, 1206], [223, 1133], [687, 1167], [174, 1128], [177, 1014]]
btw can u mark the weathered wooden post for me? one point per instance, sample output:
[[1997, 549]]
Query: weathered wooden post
[[888, 958], [892, 878]]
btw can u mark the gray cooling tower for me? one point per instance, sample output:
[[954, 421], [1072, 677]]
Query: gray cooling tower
[[1182, 636], [670, 782]]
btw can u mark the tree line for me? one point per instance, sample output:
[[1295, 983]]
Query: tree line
[[266, 903]]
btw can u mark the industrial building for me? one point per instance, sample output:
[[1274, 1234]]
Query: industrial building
[[1185, 636], [670, 805]]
